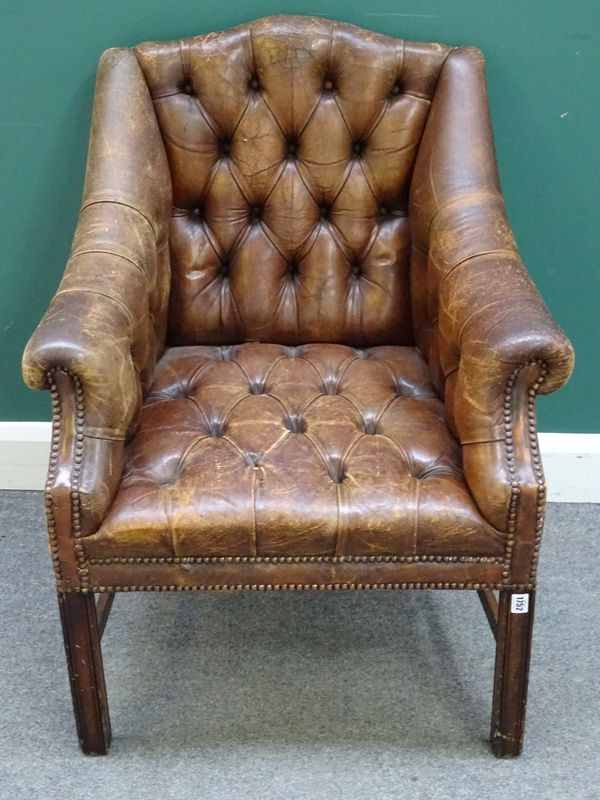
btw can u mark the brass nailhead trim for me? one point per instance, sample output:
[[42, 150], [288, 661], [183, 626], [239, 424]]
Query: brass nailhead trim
[[294, 560], [77, 466], [515, 489], [51, 522], [507, 560], [279, 587], [75, 476], [538, 469]]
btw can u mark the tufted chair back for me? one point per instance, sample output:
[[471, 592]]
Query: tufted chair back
[[291, 143]]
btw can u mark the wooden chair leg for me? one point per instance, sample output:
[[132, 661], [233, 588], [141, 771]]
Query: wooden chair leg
[[86, 673], [514, 629]]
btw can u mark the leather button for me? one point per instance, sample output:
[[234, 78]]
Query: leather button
[[396, 89], [255, 213], [216, 428], [295, 424], [369, 426], [252, 459], [187, 88], [331, 385], [292, 147], [196, 212], [225, 147], [226, 352], [358, 148], [328, 86], [325, 212], [382, 212], [253, 83], [257, 386], [335, 469], [357, 271]]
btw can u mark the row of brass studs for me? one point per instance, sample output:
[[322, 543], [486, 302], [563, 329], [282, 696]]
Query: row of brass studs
[[512, 469], [515, 489], [76, 510], [77, 466], [295, 560], [279, 587], [538, 469], [74, 484], [54, 448]]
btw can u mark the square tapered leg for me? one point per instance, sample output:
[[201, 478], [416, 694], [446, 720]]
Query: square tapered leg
[[86, 673], [515, 626]]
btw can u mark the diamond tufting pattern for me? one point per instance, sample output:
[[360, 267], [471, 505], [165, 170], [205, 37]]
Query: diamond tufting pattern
[[268, 450], [291, 148]]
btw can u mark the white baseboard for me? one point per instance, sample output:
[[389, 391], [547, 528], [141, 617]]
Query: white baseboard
[[24, 448], [571, 461], [572, 466]]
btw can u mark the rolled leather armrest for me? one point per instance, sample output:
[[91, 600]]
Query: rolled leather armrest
[[106, 323], [490, 341]]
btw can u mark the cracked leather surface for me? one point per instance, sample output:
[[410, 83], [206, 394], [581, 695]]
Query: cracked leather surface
[[263, 449]]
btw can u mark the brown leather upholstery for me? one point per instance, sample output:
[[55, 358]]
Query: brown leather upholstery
[[268, 450], [307, 216], [291, 148]]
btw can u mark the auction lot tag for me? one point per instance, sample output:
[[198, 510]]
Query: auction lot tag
[[519, 603]]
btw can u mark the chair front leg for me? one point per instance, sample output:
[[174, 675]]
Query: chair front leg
[[514, 630], [86, 674]]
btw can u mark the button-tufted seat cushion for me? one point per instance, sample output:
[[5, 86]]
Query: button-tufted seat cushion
[[268, 450]]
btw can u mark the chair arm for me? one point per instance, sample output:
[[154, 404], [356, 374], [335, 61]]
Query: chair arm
[[106, 323], [490, 341]]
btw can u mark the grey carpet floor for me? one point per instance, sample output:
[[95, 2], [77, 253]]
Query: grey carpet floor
[[349, 695]]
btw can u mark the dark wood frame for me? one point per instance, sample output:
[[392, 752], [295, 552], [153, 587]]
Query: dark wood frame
[[83, 624], [84, 620], [513, 650]]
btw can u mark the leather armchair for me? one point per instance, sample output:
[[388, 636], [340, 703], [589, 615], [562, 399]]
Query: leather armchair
[[294, 346]]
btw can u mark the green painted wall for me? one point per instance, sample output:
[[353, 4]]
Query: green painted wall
[[542, 57]]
